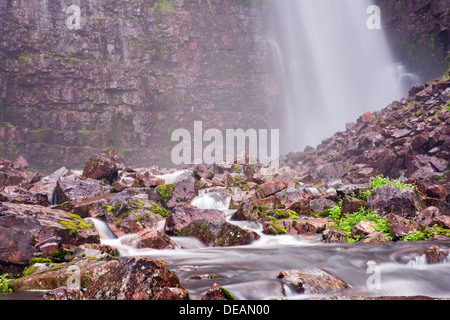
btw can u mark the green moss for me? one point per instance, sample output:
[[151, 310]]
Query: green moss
[[227, 294], [277, 229], [236, 168], [165, 192], [158, 210]]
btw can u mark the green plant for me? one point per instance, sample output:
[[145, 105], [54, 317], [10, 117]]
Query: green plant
[[346, 222], [380, 181], [4, 285]]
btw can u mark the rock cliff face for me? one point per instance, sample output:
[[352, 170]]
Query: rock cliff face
[[131, 73], [418, 31]]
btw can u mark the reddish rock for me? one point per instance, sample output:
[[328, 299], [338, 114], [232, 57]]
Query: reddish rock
[[172, 294], [218, 233], [404, 202], [270, 188], [216, 293], [352, 205], [366, 117], [182, 216], [17, 194], [427, 216], [63, 294], [363, 229], [334, 236], [399, 226], [436, 254], [151, 238], [98, 167], [133, 279], [312, 281], [71, 187]]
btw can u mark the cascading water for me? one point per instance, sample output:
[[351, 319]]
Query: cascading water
[[333, 68]]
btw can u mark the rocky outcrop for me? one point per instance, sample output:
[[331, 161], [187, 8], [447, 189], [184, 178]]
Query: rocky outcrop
[[127, 77], [418, 31]]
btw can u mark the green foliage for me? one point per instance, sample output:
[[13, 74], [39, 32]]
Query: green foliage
[[426, 234], [157, 209], [348, 221], [4, 285], [165, 192], [380, 181]]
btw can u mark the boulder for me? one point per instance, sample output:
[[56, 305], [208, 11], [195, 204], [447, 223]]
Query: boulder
[[376, 238], [270, 188], [17, 194], [182, 216], [180, 192], [444, 206], [436, 254], [71, 187], [218, 233], [253, 210], [320, 205], [427, 216], [99, 167], [151, 238], [137, 278], [46, 185], [44, 276], [172, 294], [334, 236], [404, 202], [63, 294], [399, 226], [312, 281], [363, 229], [351, 205], [216, 292]]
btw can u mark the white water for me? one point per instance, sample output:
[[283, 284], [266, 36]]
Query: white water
[[250, 272], [333, 68]]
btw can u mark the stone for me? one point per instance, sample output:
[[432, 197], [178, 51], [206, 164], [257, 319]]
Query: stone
[[42, 276], [71, 187], [151, 238], [442, 222], [98, 167], [320, 205], [63, 294], [182, 216], [376, 238], [352, 205], [17, 194], [218, 233], [215, 292], [444, 206], [312, 281], [404, 202], [136, 278], [172, 294], [47, 184], [334, 236], [270, 188], [427, 216], [399, 226], [363, 229], [436, 254], [366, 117]]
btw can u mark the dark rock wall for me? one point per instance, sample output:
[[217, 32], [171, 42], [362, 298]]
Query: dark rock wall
[[418, 32], [135, 71]]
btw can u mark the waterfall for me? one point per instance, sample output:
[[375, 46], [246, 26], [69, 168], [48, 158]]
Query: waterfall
[[333, 68]]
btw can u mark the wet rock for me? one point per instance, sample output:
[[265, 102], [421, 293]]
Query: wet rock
[[182, 191], [334, 236], [444, 206], [436, 254], [94, 251], [181, 217], [27, 226], [270, 188], [63, 294], [18, 235], [312, 281], [99, 167], [133, 279], [17, 194], [172, 294], [376, 238], [320, 205], [427, 216], [442, 222], [399, 226], [42, 276], [363, 229], [14, 176], [46, 185], [127, 180], [71, 187], [218, 233], [352, 205], [404, 202], [254, 210], [296, 200], [150, 239], [216, 292], [312, 226]]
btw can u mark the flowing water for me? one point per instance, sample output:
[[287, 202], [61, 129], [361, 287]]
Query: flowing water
[[333, 68], [250, 271]]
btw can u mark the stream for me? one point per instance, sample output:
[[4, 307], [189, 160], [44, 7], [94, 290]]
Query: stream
[[250, 272]]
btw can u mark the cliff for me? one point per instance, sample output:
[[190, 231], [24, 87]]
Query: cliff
[[126, 77]]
